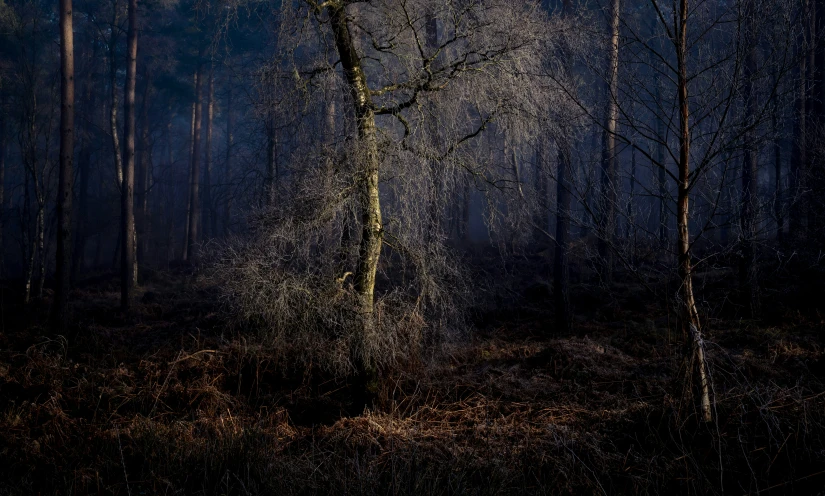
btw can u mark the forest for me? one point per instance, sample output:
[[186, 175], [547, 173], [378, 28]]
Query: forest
[[437, 247]]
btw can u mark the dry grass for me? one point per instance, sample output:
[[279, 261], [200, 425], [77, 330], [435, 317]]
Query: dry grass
[[174, 403]]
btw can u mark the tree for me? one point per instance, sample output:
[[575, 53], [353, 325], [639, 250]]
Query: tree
[[128, 266], [689, 317], [209, 215], [389, 81], [65, 189], [194, 173]]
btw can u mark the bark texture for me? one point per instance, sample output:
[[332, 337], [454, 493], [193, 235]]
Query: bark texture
[[371, 222]]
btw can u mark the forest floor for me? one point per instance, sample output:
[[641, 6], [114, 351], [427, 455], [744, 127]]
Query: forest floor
[[172, 402]]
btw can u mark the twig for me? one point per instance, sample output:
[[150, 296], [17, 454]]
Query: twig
[[123, 462]]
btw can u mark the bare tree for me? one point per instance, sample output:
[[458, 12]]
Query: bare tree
[[476, 75], [690, 314]]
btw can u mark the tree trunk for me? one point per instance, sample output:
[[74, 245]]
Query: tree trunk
[[815, 173], [689, 319], [661, 169], [195, 173], [3, 142], [609, 150], [168, 192], [208, 207], [41, 246], [30, 245], [630, 228], [778, 193], [747, 247], [227, 166], [127, 222], [113, 110], [185, 255], [142, 175], [372, 230], [66, 175]]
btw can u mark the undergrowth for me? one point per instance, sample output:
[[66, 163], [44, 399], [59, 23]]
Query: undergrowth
[[175, 401]]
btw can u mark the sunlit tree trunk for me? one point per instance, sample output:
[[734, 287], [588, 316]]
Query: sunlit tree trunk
[[689, 318], [195, 173], [372, 230], [609, 152], [128, 267], [66, 175]]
